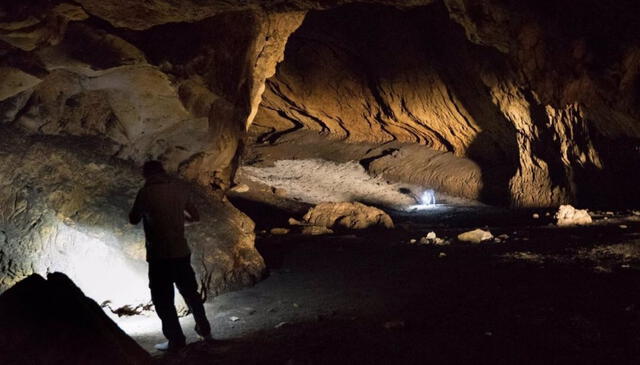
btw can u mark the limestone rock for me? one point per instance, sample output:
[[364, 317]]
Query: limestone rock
[[279, 192], [517, 135], [64, 206], [510, 102], [316, 230], [294, 222], [240, 188], [475, 236], [431, 236], [488, 99], [45, 28], [570, 216], [278, 231], [143, 15], [347, 215], [14, 81], [52, 321]]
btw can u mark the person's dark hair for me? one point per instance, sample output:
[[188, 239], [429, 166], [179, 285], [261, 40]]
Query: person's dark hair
[[152, 167]]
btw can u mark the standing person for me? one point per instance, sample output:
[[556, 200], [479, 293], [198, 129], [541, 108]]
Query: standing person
[[163, 204]]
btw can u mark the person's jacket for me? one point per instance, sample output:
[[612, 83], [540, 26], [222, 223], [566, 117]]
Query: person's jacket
[[161, 205]]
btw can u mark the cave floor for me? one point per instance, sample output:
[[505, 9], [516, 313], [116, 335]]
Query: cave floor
[[546, 295]]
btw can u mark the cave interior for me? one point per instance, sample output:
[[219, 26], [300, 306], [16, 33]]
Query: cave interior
[[420, 181]]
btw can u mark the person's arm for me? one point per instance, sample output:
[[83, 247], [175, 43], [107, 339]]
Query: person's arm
[[135, 215], [191, 213]]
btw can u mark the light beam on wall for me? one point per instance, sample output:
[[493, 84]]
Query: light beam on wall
[[91, 257]]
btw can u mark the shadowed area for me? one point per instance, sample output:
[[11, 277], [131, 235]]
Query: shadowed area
[[560, 295]]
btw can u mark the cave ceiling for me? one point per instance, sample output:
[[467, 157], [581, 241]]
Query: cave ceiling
[[534, 93]]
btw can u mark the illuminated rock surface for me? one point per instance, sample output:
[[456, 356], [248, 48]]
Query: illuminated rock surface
[[64, 206], [540, 111], [347, 215], [569, 216], [521, 94], [52, 322]]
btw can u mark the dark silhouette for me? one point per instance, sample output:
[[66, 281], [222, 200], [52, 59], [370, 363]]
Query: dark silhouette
[[163, 204]]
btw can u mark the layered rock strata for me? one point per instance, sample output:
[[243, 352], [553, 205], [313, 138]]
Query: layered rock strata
[[545, 107]]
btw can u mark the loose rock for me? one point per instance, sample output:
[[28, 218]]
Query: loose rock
[[431, 238], [475, 236], [570, 216], [279, 231], [241, 188], [316, 230], [349, 215], [294, 222]]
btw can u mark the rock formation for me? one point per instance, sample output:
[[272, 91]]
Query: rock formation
[[52, 322], [64, 207], [542, 106], [520, 103], [346, 215]]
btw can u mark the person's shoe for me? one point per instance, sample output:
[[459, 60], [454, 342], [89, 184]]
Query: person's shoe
[[169, 346]]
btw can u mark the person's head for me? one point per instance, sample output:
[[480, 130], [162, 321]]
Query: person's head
[[152, 167]]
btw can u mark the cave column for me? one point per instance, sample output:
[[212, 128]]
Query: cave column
[[231, 116]]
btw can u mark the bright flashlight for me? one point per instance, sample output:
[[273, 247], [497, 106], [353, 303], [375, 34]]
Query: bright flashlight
[[427, 200], [428, 197]]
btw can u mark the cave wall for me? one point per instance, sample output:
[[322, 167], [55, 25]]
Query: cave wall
[[527, 92], [182, 93], [114, 97], [521, 103], [579, 71], [64, 208]]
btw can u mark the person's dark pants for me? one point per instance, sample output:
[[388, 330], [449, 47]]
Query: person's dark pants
[[162, 275]]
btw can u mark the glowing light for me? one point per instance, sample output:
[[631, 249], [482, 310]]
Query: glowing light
[[428, 197], [427, 201], [92, 258]]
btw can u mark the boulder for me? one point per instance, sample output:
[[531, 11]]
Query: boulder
[[570, 216], [316, 230], [347, 215], [52, 322], [475, 236]]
